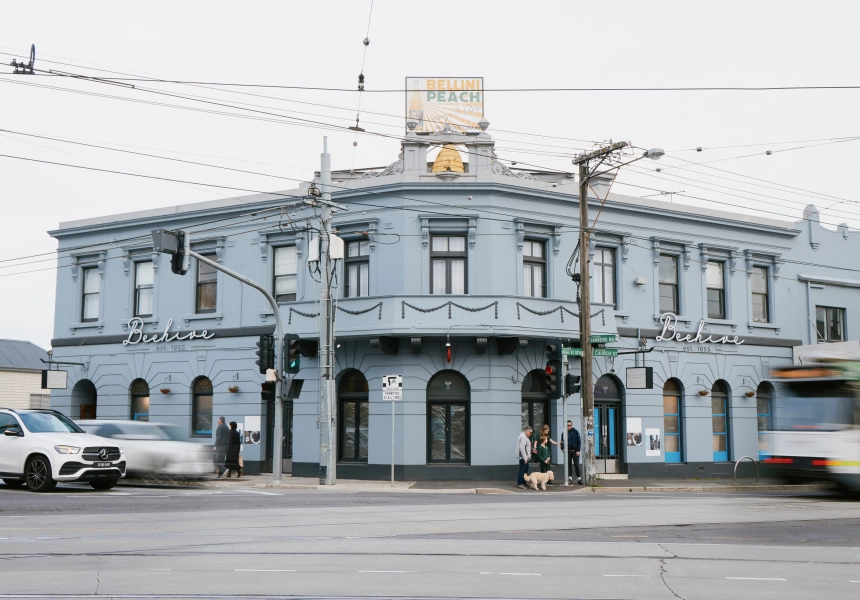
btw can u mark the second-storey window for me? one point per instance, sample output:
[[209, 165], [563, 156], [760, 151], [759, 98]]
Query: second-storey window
[[758, 281], [207, 288], [285, 274], [534, 269], [144, 278], [830, 323], [668, 272], [716, 291], [357, 269], [448, 264], [603, 283], [90, 298]]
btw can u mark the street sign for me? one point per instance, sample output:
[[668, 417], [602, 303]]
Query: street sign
[[392, 388], [605, 338], [609, 352], [640, 378], [54, 380]]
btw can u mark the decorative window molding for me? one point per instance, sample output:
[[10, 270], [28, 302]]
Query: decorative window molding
[[556, 240], [625, 248], [521, 236]]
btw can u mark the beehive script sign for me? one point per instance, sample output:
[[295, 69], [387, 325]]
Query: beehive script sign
[[136, 335], [436, 101], [670, 322]]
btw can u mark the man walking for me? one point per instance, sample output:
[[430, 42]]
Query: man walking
[[524, 454], [222, 441], [574, 445]]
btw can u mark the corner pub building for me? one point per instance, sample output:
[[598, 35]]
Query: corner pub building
[[454, 277]]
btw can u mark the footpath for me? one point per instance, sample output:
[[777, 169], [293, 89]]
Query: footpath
[[607, 486]]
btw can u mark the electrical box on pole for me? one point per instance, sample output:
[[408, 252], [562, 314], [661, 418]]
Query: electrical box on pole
[[175, 243], [266, 353], [572, 384], [292, 355]]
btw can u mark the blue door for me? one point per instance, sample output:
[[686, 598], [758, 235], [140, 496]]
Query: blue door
[[607, 417]]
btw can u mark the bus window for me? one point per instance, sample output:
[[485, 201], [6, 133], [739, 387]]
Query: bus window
[[814, 406]]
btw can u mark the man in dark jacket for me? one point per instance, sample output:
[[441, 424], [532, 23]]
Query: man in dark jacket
[[575, 444], [222, 440]]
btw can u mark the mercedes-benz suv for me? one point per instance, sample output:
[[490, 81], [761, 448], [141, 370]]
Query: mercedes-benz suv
[[39, 448]]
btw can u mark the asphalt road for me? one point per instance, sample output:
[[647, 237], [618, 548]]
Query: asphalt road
[[137, 542]]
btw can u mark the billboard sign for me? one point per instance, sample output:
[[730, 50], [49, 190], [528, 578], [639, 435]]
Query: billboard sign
[[436, 101]]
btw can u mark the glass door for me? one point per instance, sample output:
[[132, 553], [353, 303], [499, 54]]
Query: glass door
[[606, 446], [448, 427]]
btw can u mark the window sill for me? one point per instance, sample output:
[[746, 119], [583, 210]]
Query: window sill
[[732, 324], [146, 321], [87, 325], [681, 319], [756, 324], [203, 316]]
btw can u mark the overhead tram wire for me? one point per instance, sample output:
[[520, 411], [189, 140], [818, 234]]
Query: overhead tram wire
[[752, 145]]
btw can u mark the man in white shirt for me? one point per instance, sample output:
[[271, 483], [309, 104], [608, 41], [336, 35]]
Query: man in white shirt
[[524, 455]]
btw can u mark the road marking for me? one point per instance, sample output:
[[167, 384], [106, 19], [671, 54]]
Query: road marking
[[757, 578], [159, 569], [630, 575], [532, 574], [852, 581], [256, 492], [264, 570], [629, 536], [386, 571]]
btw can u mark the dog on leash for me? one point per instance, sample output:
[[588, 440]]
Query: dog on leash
[[538, 479]]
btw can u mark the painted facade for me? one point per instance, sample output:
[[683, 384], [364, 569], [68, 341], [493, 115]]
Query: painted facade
[[456, 281]]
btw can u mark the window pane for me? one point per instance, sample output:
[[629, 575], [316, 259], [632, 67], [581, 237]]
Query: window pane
[[667, 298], [668, 269], [719, 424], [763, 423], [364, 279], [205, 272], [762, 404], [719, 443], [363, 428], [597, 283], [203, 414], [527, 248], [438, 434], [206, 296], [363, 248], [438, 277], [608, 282], [352, 273], [439, 244], [457, 244], [458, 432], [91, 281], [759, 308], [718, 404], [671, 424], [672, 443], [537, 281], [144, 274], [835, 325], [714, 275], [348, 420], [540, 417], [524, 414], [670, 405], [715, 304], [527, 280], [759, 280], [285, 260], [286, 285], [91, 307], [458, 276], [144, 302], [821, 322], [537, 249]]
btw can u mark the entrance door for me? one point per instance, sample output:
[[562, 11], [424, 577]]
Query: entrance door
[[606, 446], [268, 395], [447, 433]]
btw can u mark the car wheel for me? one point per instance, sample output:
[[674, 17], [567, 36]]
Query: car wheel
[[103, 484], [38, 474], [14, 482]]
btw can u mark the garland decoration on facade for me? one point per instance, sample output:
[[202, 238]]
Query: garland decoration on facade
[[300, 313], [561, 310], [449, 304], [361, 312]]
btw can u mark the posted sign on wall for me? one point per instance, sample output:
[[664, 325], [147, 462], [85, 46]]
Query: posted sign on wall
[[436, 101]]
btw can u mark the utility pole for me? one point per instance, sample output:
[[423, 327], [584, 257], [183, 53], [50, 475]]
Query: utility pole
[[328, 407]]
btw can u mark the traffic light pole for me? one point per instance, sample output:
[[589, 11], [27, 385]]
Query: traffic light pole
[[280, 391], [587, 391]]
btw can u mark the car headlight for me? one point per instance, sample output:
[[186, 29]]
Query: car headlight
[[67, 449], [121, 452]]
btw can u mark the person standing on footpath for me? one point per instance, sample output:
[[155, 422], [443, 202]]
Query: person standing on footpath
[[232, 462], [575, 444], [524, 454], [222, 440]]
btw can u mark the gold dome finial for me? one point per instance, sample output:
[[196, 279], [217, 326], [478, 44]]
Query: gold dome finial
[[448, 160]]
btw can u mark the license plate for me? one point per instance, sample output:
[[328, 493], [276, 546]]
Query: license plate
[[101, 464]]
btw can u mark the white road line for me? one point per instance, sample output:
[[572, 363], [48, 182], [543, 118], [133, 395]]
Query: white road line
[[159, 569], [256, 492], [532, 574], [852, 581], [757, 578], [630, 575], [386, 571], [264, 570]]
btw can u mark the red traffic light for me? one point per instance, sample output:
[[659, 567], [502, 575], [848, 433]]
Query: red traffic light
[[549, 370]]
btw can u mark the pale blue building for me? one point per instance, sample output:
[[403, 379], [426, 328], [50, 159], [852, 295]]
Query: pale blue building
[[454, 276]]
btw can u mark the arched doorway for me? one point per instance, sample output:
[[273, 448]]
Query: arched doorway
[[607, 425], [201, 407], [448, 396], [84, 400], [352, 393], [673, 421], [534, 403], [139, 400]]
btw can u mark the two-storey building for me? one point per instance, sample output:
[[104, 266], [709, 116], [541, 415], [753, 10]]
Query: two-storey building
[[453, 276]]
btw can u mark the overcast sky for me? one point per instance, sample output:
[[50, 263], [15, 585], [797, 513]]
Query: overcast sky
[[509, 44]]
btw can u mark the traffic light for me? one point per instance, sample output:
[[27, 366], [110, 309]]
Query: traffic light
[[179, 260], [553, 349], [266, 353], [572, 384], [293, 361], [552, 381]]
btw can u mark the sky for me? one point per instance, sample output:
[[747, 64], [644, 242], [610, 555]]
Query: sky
[[512, 45]]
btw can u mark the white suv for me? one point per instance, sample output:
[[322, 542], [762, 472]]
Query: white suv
[[42, 447]]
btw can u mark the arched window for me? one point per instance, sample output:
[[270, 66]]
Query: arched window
[[720, 420], [448, 396], [534, 403], [673, 425], [201, 407], [139, 400], [764, 410], [355, 415], [84, 400], [607, 424]]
